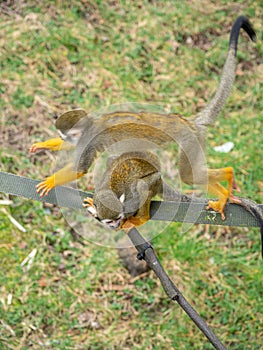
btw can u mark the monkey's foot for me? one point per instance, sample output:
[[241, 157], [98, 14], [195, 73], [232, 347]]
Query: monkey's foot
[[217, 206], [88, 203], [43, 188]]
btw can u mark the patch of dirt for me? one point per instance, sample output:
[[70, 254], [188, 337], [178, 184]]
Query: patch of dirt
[[203, 40]]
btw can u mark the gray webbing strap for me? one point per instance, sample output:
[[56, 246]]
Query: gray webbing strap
[[189, 212], [26, 187]]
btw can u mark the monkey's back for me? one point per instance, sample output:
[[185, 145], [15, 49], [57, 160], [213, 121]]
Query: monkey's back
[[130, 167]]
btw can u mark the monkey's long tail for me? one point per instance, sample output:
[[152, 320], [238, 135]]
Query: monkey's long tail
[[209, 114]]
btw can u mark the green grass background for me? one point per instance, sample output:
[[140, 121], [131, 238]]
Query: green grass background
[[57, 55]]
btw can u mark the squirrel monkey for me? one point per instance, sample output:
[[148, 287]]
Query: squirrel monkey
[[123, 197], [90, 135]]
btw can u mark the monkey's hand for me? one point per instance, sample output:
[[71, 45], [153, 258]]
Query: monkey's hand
[[36, 147], [44, 187], [61, 177], [55, 144], [88, 203], [52, 144]]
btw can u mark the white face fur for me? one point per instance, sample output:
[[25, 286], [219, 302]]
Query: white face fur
[[113, 224], [73, 135]]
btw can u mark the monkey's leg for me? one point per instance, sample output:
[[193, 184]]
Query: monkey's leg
[[55, 144], [141, 217], [147, 188], [223, 194], [61, 177]]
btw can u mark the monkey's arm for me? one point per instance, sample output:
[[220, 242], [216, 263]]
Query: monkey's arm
[[61, 177], [56, 144], [69, 128]]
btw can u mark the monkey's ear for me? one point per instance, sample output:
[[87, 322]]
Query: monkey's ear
[[122, 198], [69, 119], [70, 125]]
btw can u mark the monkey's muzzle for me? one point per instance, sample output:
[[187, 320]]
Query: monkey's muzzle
[[113, 224]]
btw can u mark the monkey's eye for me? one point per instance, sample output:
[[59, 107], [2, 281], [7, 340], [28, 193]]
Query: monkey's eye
[[109, 221]]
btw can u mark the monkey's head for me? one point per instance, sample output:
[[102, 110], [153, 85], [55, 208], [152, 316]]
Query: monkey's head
[[108, 208]]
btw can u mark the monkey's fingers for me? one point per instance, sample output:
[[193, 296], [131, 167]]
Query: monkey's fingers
[[55, 144], [36, 147], [43, 188], [88, 201]]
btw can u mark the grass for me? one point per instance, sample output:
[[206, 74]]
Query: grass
[[58, 55]]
